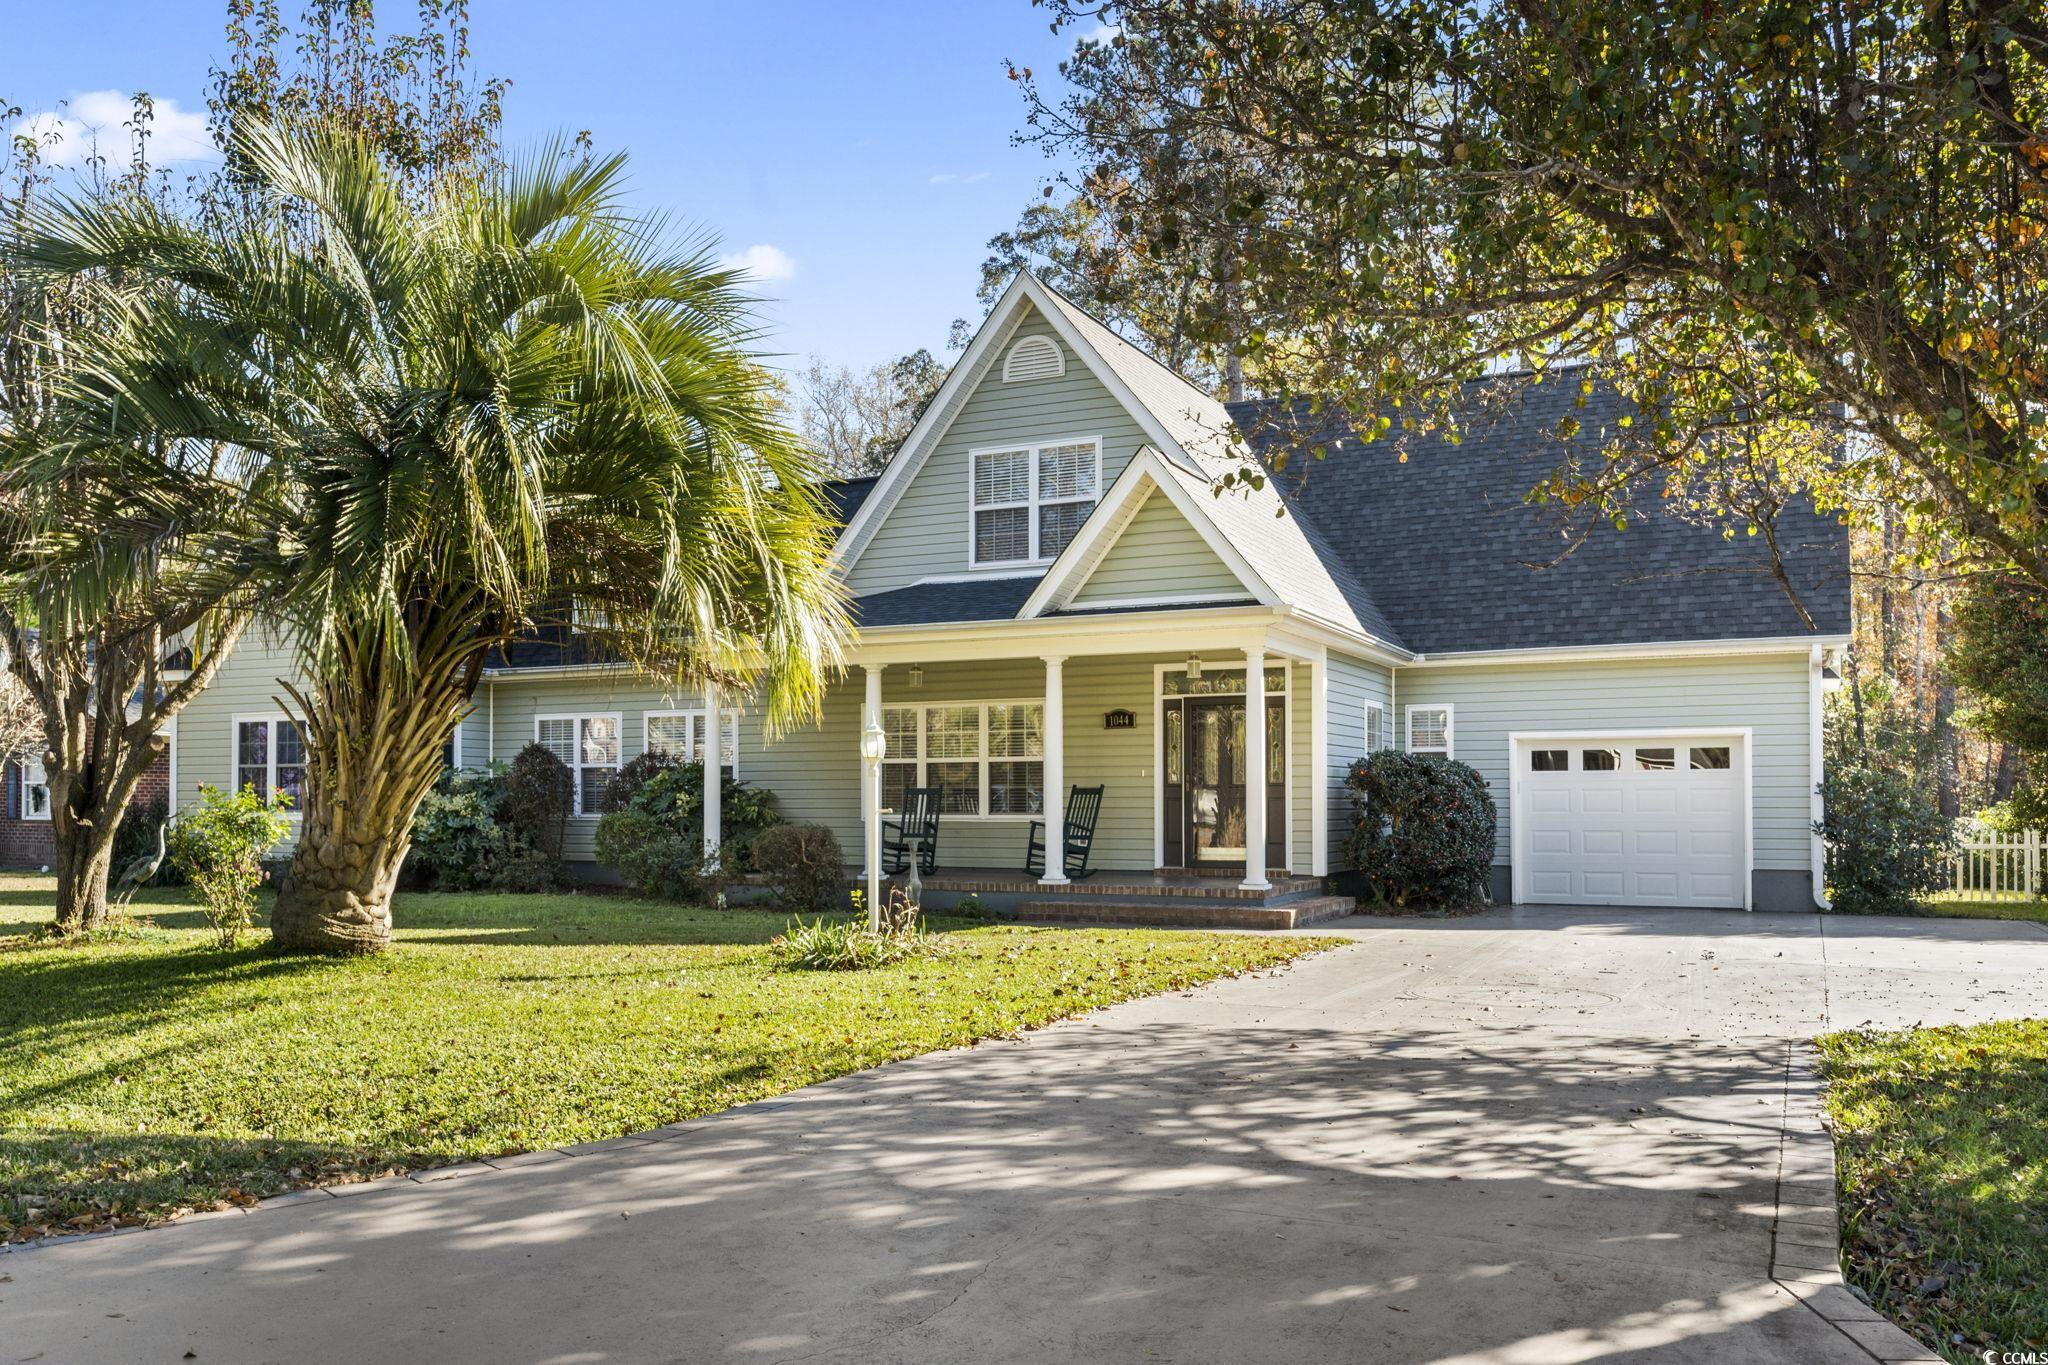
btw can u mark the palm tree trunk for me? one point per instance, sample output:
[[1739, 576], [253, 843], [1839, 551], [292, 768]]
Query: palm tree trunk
[[374, 734], [337, 896]]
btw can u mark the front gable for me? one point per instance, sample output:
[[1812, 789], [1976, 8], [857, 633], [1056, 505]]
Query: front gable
[[926, 529], [1158, 557]]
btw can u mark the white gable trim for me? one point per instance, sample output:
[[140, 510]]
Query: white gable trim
[[1147, 472], [974, 365]]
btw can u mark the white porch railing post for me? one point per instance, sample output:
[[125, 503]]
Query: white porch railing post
[[1055, 798], [1255, 769], [871, 797]]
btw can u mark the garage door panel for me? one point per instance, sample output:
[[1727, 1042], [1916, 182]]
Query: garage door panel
[[1628, 835]]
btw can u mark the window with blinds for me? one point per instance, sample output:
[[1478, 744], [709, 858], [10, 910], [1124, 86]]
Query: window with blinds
[[1028, 502], [681, 734], [1429, 730], [989, 756], [589, 746]]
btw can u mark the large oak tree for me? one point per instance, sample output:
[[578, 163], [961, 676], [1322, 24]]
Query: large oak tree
[[1745, 215]]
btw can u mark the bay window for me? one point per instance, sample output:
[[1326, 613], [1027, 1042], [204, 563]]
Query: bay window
[[989, 756], [1028, 501]]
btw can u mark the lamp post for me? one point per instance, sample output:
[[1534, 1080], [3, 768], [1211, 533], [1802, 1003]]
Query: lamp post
[[874, 747]]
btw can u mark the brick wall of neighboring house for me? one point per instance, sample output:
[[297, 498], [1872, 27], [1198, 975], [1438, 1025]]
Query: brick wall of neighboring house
[[29, 844]]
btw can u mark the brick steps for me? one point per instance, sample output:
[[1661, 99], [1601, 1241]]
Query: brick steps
[[1292, 913]]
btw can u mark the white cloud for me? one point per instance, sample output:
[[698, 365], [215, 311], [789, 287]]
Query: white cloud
[[1101, 33], [95, 123], [953, 178], [762, 261]]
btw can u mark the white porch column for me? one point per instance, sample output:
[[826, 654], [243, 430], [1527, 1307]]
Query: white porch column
[[871, 796], [1055, 771], [1319, 763], [1255, 769], [714, 785]]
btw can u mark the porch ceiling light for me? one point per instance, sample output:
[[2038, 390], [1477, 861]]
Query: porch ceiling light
[[1194, 665], [874, 745]]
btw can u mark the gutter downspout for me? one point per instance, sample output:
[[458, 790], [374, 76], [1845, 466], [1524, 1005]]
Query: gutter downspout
[[491, 722], [1816, 760]]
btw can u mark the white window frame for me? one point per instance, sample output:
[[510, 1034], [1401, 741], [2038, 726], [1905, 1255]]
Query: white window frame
[[983, 758], [729, 732], [234, 783], [1032, 450], [21, 765], [1036, 342], [576, 768], [1450, 748], [1375, 737]]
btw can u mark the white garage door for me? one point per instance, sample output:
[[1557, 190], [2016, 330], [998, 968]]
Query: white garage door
[[1632, 821]]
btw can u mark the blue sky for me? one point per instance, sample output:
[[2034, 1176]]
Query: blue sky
[[867, 144]]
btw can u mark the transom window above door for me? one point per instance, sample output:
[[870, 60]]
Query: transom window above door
[[1029, 500]]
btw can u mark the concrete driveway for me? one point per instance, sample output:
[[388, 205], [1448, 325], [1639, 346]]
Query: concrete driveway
[[1534, 1135]]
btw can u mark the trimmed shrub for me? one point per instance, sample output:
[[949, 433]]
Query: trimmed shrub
[[219, 845], [459, 838], [653, 857], [803, 867], [1423, 830], [540, 791], [1888, 843], [654, 792]]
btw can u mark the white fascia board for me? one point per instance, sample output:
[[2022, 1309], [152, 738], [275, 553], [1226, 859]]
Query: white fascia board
[[1673, 649], [1107, 375], [555, 671], [1147, 472], [938, 415]]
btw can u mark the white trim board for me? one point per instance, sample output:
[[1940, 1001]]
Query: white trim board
[[1147, 473], [966, 375]]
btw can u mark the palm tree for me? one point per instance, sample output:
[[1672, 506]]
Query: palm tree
[[457, 418]]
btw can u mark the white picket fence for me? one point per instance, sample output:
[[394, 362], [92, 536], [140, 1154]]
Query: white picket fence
[[1994, 866]]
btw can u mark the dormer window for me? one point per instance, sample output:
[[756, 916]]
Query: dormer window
[[1028, 501], [1037, 357]]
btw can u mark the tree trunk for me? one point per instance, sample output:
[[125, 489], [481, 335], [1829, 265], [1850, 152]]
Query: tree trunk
[[83, 866], [337, 896], [373, 737]]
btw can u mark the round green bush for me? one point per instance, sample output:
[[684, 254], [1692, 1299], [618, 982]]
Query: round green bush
[[803, 866], [1422, 830], [1888, 844]]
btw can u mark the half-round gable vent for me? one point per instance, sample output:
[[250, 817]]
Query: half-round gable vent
[[1034, 358]]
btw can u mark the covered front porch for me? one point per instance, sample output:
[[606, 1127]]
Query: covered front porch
[[1207, 737]]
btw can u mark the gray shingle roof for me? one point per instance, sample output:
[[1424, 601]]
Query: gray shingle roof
[[995, 599], [1446, 541], [1282, 550]]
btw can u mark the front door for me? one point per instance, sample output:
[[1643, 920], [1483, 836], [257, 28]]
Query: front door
[[1202, 783]]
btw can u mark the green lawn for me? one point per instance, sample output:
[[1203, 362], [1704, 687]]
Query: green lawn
[[1948, 907], [1942, 1143], [155, 1072]]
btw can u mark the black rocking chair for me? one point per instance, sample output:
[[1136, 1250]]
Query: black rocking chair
[[1083, 806], [917, 830]]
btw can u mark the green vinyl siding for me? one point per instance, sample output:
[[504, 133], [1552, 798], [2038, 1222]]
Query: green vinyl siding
[[1353, 684], [1159, 555], [1766, 693], [926, 531], [250, 684]]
